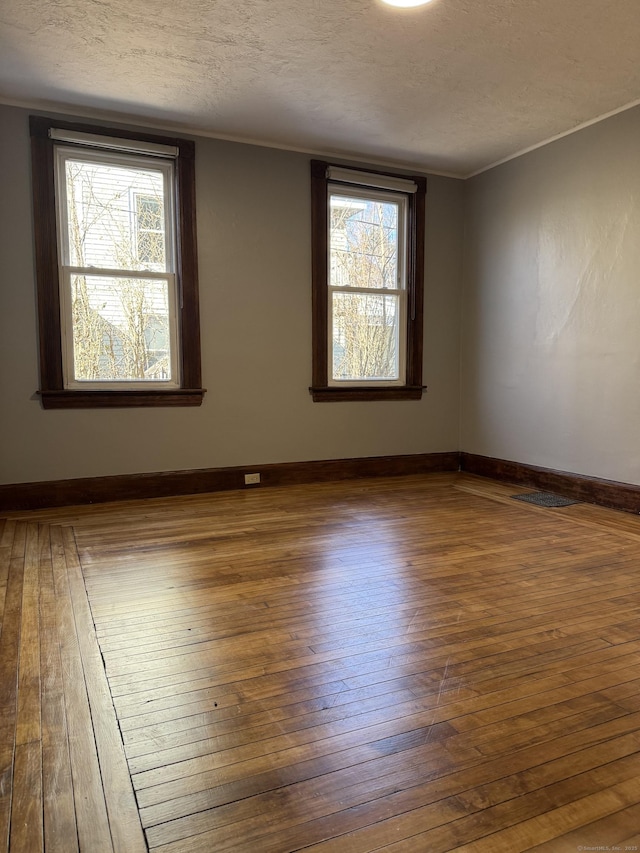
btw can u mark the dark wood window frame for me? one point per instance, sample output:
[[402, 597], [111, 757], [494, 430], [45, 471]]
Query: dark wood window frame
[[320, 390], [52, 391]]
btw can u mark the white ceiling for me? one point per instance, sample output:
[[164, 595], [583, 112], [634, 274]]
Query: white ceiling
[[453, 87]]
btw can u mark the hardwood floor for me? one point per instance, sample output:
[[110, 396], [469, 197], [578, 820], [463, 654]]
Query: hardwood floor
[[409, 664]]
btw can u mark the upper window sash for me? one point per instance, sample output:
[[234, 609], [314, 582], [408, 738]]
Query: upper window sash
[[367, 194], [165, 168]]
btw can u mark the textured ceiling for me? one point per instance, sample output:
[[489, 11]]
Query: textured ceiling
[[453, 86]]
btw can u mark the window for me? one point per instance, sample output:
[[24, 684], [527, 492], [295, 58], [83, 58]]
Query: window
[[116, 267], [367, 248], [149, 228]]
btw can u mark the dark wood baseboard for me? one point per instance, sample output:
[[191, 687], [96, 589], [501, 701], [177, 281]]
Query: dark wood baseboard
[[608, 493], [91, 490], [55, 493]]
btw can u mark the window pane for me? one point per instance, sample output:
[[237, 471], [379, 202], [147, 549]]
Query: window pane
[[110, 210], [150, 248], [365, 336], [363, 243], [120, 329], [149, 212]]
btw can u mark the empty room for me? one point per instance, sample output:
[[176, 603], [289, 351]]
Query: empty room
[[319, 426]]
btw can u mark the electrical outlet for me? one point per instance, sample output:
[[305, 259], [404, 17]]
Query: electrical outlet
[[251, 479]]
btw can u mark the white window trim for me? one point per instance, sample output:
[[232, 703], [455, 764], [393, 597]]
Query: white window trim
[[363, 189], [66, 270]]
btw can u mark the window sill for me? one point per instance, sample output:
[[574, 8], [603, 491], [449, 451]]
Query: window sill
[[105, 399], [330, 394]]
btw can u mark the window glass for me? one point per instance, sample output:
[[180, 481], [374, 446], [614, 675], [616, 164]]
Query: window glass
[[120, 329], [367, 287], [108, 208], [365, 337]]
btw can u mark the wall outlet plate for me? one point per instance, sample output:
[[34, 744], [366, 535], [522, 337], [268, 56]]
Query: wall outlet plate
[[251, 479]]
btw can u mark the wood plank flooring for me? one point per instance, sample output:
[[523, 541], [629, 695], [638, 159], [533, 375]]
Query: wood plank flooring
[[406, 664]]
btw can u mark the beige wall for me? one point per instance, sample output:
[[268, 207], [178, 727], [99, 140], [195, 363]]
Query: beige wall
[[551, 317], [255, 299]]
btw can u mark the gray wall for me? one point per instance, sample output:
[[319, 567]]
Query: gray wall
[[255, 300], [551, 316]]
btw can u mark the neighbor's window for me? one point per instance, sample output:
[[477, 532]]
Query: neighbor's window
[[150, 222], [116, 261], [368, 246]]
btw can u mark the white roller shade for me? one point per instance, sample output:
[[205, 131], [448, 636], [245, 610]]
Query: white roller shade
[[114, 143], [370, 179]]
